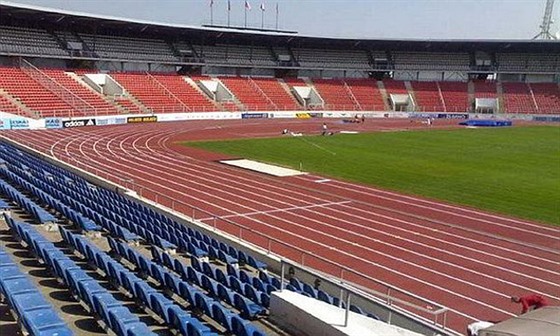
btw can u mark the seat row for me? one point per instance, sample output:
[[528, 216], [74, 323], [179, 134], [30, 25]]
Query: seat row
[[184, 289], [152, 226], [148, 297], [40, 214], [209, 277], [29, 183], [98, 300], [37, 316]]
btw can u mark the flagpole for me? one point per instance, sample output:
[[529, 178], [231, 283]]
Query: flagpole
[[277, 16], [245, 16], [262, 16], [228, 11], [212, 12]]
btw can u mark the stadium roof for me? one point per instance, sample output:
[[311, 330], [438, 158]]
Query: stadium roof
[[42, 16]]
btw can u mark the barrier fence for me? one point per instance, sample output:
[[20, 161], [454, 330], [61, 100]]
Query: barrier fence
[[378, 291]]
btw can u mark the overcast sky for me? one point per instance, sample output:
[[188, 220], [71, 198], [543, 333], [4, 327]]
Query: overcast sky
[[424, 19]]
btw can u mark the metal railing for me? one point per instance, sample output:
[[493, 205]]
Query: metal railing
[[377, 290], [168, 92], [60, 91]]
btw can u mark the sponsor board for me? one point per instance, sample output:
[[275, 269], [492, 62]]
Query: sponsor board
[[254, 115], [423, 115], [307, 115], [453, 116], [198, 116], [19, 123], [112, 121], [144, 119], [303, 116], [102, 122], [5, 124], [78, 123], [51, 123], [546, 119]]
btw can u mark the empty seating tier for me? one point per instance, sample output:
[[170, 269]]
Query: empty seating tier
[[336, 94], [328, 58], [149, 92], [93, 99], [367, 94], [430, 61], [273, 89], [8, 106], [248, 93], [428, 96], [547, 96], [236, 54], [517, 98], [186, 93], [127, 48], [33, 95], [455, 96], [29, 41]]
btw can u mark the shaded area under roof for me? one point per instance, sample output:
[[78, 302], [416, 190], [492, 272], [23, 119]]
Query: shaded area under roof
[[41, 17]]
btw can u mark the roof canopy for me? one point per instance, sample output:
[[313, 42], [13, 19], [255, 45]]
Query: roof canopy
[[41, 17]]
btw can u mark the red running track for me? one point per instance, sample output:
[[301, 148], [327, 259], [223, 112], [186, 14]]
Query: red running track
[[464, 259]]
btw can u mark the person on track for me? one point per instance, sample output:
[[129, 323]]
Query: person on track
[[325, 129], [530, 302]]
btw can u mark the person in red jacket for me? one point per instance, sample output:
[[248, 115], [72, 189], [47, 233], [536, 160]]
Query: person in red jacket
[[530, 302]]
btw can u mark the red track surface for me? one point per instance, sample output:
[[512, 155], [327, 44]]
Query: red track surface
[[464, 259]]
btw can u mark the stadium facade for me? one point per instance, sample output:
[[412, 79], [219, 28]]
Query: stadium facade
[[513, 77]]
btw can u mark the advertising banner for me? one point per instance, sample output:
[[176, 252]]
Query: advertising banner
[[138, 120], [78, 123], [102, 122], [254, 115], [5, 124], [52, 123], [19, 124], [453, 116]]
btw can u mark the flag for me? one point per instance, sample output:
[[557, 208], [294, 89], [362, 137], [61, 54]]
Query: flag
[[262, 6], [277, 7], [247, 5], [229, 5], [211, 3]]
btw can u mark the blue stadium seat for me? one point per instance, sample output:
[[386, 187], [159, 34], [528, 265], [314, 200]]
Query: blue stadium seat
[[209, 285], [186, 292], [159, 305], [45, 322], [247, 308], [222, 316], [225, 294], [202, 303], [244, 328]]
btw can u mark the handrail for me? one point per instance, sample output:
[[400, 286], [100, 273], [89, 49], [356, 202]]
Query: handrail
[[261, 92], [52, 85], [166, 90], [349, 90], [391, 295]]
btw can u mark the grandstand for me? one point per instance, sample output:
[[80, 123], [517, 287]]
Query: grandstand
[[134, 267], [435, 74]]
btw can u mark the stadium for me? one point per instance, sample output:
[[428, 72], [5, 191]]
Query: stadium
[[160, 179]]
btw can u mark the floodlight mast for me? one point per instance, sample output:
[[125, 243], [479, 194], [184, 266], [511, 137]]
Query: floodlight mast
[[546, 25]]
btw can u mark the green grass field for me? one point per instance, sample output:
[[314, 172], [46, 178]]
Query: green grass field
[[513, 171]]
